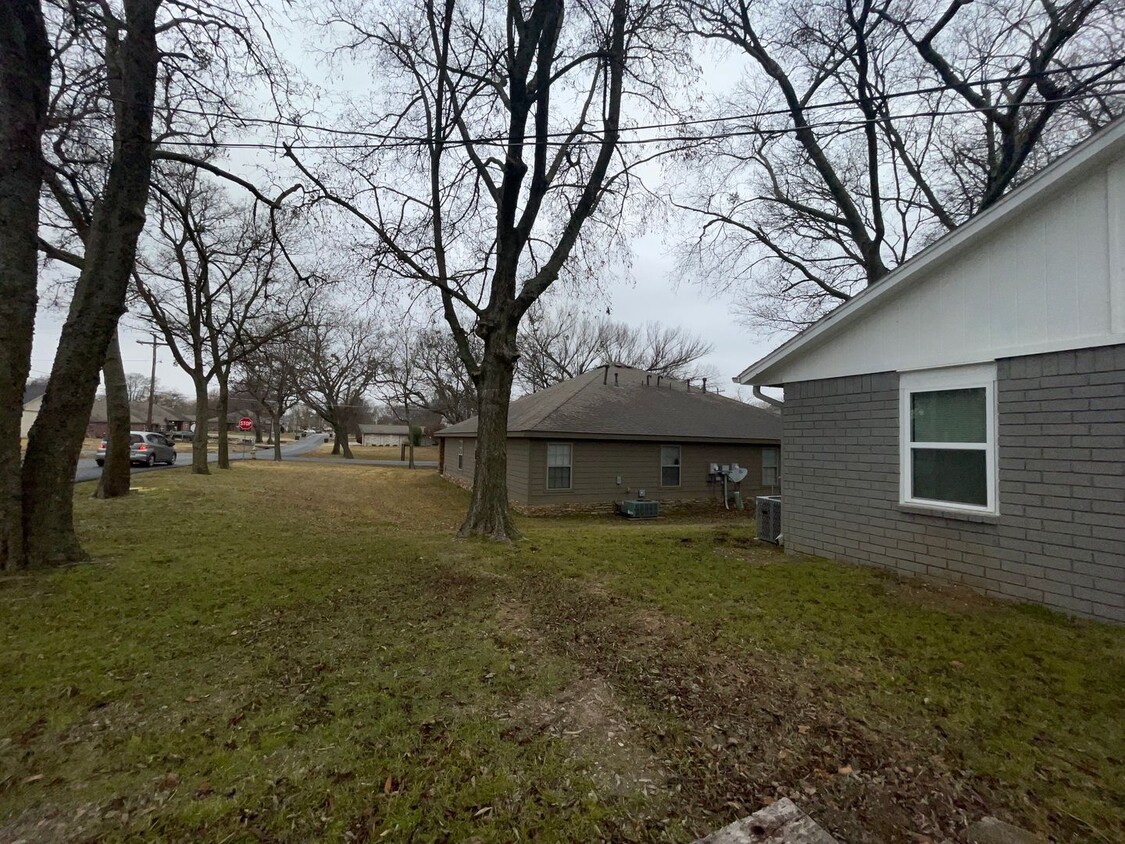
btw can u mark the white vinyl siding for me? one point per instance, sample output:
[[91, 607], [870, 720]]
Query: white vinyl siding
[[559, 460], [669, 465], [948, 435]]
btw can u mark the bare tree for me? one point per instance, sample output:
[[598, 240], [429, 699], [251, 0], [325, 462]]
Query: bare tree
[[340, 358], [131, 58], [445, 387], [557, 346], [25, 78], [872, 128], [270, 376], [515, 114], [213, 288], [116, 64], [137, 386], [1063, 59]]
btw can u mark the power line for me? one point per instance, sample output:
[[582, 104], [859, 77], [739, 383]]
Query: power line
[[894, 95], [594, 137], [391, 141]]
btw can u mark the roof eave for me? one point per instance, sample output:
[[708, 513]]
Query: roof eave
[[1103, 145]]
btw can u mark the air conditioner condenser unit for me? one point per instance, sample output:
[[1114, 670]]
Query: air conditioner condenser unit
[[768, 509]]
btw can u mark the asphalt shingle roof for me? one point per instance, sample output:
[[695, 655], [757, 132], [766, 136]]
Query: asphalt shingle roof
[[397, 430], [138, 412], [624, 403]]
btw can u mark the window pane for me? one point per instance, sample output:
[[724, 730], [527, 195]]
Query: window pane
[[670, 476], [669, 455], [959, 477], [769, 457], [558, 454], [558, 477], [769, 476], [949, 416]]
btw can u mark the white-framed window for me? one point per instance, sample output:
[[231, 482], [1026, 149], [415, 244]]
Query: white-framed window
[[770, 460], [460, 454], [559, 458], [669, 465], [948, 438]]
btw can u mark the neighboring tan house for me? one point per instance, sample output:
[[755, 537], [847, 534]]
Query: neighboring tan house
[[383, 435], [605, 436], [964, 418], [163, 419]]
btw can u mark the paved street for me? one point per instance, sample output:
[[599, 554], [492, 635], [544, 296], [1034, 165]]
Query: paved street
[[88, 470]]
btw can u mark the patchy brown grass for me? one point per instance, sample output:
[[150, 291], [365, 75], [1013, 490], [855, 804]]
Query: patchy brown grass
[[306, 654], [377, 452]]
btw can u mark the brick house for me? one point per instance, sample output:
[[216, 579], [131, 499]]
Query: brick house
[[604, 436], [163, 419], [964, 418]]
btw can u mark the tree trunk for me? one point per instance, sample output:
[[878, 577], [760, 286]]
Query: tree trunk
[[114, 481], [336, 447], [341, 433], [25, 78], [488, 515], [55, 441], [276, 433], [410, 442], [223, 410], [199, 440]]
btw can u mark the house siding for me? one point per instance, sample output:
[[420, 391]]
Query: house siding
[[518, 450], [1060, 537], [596, 465], [464, 475]]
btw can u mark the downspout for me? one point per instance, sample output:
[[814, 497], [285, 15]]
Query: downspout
[[770, 400]]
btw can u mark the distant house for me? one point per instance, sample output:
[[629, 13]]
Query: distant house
[[32, 401], [609, 434], [232, 420], [964, 418], [163, 419], [383, 435]]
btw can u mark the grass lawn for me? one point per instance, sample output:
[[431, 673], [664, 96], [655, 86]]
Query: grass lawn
[[378, 452], [304, 653]]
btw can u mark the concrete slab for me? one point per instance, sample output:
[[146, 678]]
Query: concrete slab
[[779, 823]]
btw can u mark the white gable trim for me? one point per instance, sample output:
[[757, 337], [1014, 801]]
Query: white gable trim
[[1096, 151]]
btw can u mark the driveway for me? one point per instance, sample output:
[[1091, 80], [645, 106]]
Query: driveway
[[88, 469]]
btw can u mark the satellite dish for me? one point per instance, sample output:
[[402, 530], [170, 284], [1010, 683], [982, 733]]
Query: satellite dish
[[737, 473]]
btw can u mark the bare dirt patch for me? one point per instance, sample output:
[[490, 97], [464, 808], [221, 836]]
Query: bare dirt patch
[[927, 593], [588, 716], [752, 726]]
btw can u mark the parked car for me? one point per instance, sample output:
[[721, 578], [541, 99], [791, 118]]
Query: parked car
[[181, 436], [146, 448]]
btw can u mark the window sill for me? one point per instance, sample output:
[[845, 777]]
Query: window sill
[[949, 513]]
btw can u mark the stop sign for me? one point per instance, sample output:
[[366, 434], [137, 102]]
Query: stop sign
[[245, 423]]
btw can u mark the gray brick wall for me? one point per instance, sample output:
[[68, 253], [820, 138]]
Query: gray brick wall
[[1060, 537]]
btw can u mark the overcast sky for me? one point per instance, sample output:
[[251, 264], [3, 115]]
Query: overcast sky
[[650, 294]]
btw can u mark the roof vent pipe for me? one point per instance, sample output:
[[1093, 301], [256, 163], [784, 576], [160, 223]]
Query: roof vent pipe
[[659, 378], [688, 382], [705, 385], [605, 375], [648, 380], [615, 379]]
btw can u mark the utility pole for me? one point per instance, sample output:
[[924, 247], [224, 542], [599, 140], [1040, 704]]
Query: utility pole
[[152, 378]]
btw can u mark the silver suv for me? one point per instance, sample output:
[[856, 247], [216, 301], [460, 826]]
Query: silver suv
[[146, 448]]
